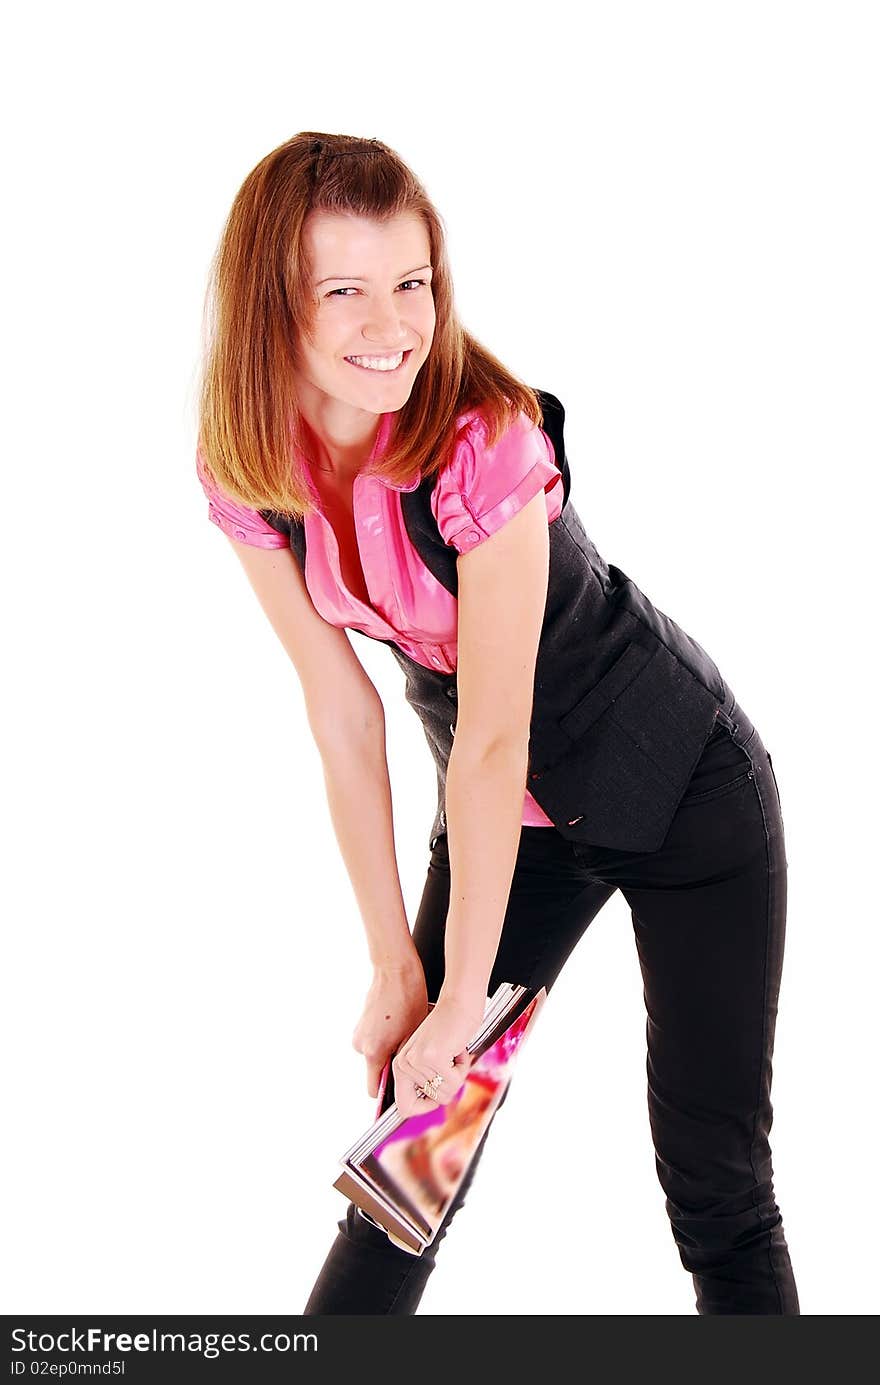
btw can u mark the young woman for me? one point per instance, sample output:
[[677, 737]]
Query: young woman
[[376, 469]]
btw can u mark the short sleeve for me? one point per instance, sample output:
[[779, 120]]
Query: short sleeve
[[237, 521], [483, 487]]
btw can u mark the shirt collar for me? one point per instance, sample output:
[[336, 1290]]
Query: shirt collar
[[386, 423]]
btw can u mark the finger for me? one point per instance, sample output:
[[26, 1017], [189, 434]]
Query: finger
[[439, 1093], [446, 1072], [426, 1101], [418, 1076], [410, 1080], [426, 1063], [427, 1092], [421, 1081]]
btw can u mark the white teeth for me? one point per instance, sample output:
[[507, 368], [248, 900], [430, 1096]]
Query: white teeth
[[378, 362]]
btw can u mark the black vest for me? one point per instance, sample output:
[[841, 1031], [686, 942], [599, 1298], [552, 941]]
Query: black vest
[[624, 700]]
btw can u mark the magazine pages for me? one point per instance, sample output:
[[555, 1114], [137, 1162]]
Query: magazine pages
[[404, 1172]]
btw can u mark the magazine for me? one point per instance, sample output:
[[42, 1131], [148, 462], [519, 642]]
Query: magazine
[[404, 1172]]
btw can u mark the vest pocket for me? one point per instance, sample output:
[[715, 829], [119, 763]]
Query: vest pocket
[[635, 739], [612, 683], [605, 791]]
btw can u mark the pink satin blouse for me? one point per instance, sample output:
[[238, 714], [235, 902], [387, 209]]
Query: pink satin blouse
[[476, 493]]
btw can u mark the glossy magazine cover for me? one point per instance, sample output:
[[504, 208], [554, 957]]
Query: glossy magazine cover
[[404, 1172]]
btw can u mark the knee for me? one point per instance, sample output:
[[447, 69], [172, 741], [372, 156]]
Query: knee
[[725, 1218], [718, 1181], [360, 1231]]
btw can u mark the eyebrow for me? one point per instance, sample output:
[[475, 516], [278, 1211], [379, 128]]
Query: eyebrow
[[361, 280]]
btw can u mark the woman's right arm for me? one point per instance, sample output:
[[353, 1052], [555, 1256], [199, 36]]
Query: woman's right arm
[[347, 721]]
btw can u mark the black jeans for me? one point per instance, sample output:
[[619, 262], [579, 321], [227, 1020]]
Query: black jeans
[[709, 912]]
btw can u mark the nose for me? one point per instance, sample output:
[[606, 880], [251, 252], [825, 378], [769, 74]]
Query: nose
[[384, 330]]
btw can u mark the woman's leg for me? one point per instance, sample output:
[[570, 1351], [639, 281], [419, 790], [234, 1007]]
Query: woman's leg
[[709, 914], [551, 904]]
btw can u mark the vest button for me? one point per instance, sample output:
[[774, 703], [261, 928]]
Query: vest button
[[451, 693]]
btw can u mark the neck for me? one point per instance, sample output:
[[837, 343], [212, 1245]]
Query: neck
[[338, 459], [341, 439]]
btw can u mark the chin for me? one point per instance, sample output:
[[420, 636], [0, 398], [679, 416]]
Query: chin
[[385, 398]]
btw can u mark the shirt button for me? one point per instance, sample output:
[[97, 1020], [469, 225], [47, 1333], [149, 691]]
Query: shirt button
[[473, 536], [240, 534], [435, 659]]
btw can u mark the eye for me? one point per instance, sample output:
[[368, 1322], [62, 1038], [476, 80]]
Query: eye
[[339, 292]]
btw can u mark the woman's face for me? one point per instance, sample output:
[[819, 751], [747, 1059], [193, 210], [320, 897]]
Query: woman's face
[[372, 287]]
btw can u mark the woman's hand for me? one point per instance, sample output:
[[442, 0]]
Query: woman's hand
[[396, 1004], [439, 1045]]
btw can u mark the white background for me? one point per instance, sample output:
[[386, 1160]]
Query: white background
[[665, 214]]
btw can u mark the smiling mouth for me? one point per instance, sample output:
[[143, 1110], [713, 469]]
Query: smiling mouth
[[381, 365]]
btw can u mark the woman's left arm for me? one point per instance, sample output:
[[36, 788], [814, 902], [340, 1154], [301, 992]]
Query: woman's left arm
[[502, 595]]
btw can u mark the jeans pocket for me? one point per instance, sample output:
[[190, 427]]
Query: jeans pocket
[[722, 768], [719, 791]]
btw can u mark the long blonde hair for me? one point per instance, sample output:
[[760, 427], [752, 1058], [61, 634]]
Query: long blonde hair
[[260, 299]]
